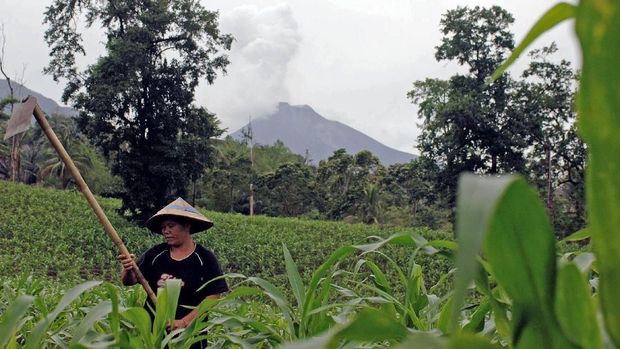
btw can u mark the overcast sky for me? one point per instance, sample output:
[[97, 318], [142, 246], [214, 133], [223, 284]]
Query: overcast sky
[[350, 60]]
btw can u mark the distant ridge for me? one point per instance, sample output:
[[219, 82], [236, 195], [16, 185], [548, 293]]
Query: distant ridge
[[301, 128], [48, 105]]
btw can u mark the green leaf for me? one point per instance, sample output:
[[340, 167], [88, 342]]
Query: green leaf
[[598, 106], [370, 325], [554, 16], [477, 197], [279, 298], [578, 235], [575, 309], [476, 322], [93, 315], [338, 255], [520, 247], [12, 316], [141, 320], [35, 337], [294, 278]]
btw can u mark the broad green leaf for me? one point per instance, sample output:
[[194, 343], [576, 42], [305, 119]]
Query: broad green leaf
[[598, 106], [554, 16], [299, 290], [370, 325], [476, 322], [12, 316], [165, 311], [578, 235], [319, 274], [443, 322], [93, 315], [575, 309], [141, 320], [279, 298], [34, 339], [520, 247], [477, 197], [400, 239], [115, 322]]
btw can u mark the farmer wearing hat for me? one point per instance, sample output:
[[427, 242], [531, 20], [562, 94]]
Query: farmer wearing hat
[[179, 257]]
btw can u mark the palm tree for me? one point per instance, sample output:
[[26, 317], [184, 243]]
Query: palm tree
[[372, 204], [76, 147]]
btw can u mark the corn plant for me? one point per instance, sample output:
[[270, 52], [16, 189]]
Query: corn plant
[[326, 301], [528, 297]]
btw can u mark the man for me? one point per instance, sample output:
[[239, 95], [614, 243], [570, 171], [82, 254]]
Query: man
[[179, 257]]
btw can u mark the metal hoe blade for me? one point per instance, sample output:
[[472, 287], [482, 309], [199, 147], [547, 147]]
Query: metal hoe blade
[[21, 119]]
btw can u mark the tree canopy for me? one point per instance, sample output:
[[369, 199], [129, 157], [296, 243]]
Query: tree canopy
[[136, 101]]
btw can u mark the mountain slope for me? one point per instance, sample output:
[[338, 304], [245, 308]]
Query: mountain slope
[[48, 105], [301, 129]]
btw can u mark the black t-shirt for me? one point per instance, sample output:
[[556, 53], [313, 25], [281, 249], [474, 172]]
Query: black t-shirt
[[195, 270]]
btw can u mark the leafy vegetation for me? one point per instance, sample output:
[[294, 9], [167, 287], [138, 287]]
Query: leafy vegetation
[[136, 101], [69, 244], [513, 287]]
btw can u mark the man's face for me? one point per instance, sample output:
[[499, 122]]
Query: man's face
[[174, 232]]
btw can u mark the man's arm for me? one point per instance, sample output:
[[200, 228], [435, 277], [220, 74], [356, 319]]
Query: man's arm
[[128, 277]]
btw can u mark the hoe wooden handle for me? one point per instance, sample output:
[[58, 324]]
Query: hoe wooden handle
[[38, 114]]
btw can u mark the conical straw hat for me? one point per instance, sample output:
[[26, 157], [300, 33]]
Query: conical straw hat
[[179, 208]]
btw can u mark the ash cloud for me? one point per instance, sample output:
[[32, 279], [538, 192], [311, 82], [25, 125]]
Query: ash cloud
[[266, 41]]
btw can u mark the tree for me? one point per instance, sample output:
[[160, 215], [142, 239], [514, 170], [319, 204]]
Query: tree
[[135, 102], [413, 185], [556, 159], [289, 191], [468, 124], [343, 178], [227, 181], [76, 146]]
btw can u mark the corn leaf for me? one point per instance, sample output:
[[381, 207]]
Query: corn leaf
[[598, 105], [294, 278], [520, 247], [574, 307], [11, 318], [35, 337], [476, 202]]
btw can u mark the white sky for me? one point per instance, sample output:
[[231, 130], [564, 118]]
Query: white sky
[[351, 60]]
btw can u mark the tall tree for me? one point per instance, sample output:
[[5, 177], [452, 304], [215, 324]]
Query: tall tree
[[468, 124], [556, 160], [227, 181], [412, 185], [135, 102], [343, 178], [288, 191]]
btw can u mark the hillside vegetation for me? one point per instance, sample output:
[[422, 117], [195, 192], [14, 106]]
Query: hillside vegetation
[[49, 232]]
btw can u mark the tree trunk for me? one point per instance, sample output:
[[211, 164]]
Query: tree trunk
[[15, 157], [550, 208], [251, 200]]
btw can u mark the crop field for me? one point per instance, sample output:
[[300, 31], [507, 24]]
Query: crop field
[[52, 233], [51, 241]]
